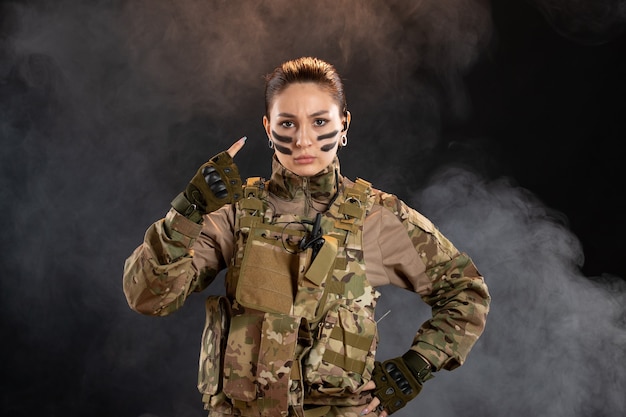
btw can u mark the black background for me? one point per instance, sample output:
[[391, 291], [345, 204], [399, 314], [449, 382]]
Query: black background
[[502, 121]]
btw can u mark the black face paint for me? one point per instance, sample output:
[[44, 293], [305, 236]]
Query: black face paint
[[328, 135], [280, 138], [282, 149], [329, 147], [284, 139]]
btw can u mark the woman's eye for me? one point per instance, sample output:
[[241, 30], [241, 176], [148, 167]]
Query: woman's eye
[[287, 124], [320, 122]]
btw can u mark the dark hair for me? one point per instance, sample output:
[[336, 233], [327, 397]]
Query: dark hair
[[302, 70]]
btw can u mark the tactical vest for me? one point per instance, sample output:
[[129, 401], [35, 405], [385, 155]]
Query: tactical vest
[[296, 327]]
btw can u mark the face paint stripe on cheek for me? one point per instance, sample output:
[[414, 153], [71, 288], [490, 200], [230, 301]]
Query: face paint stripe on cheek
[[329, 147], [280, 138], [282, 149], [328, 135]]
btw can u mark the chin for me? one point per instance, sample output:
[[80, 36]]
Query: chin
[[305, 171]]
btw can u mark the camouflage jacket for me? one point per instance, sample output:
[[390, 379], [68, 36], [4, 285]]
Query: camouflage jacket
[[399, 247]]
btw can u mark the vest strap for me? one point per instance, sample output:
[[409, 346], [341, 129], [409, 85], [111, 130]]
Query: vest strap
[[351, 339], [342, 361]]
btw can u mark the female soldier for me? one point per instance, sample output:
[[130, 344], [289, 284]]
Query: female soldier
[[295, 332]]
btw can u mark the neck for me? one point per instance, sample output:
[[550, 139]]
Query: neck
[[316, 191]]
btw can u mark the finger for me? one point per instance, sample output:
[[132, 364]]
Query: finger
[[371, 407], [236, 147], [379, 409]]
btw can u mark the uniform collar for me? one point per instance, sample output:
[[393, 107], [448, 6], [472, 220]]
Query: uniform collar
[[320, 188]]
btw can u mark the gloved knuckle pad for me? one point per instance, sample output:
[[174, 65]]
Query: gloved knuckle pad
[[219, 189], [208, 170], [218, 181], [212, 178]]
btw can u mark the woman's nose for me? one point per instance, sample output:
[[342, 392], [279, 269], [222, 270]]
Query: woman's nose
[[303, 138]]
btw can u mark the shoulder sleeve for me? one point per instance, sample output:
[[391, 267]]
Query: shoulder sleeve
[[176, 258], [424, 260]]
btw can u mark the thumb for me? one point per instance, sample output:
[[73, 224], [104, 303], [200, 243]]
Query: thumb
[[369, 386], [236, 147]]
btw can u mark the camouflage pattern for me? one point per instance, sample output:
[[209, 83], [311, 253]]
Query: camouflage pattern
[[242, 355], [157, 274], [459, 297], [213, 345], [320, 348], [298, 338], [342, 357], [327, 411], [321, 187]]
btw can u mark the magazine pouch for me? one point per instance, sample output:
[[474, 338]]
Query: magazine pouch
[[341, 359], [213, 344]]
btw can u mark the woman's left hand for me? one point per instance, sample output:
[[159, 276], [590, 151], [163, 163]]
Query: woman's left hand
[[372, 406]]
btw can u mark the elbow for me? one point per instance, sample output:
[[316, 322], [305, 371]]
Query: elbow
[[139, 300]]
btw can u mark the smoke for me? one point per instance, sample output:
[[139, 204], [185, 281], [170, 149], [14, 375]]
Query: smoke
[[587, 22], [554, 340], [106, 109]]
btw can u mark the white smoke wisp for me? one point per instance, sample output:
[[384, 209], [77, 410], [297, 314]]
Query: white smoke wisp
[[554, 342], [108, 108]]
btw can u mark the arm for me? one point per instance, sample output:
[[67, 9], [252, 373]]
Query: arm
[[176, 258], [184, 251], [456, 292], [415, 255]]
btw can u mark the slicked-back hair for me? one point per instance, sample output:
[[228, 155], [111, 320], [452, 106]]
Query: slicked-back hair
[[303, 70]]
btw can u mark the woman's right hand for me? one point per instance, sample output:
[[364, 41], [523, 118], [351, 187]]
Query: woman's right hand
[[216, 183]]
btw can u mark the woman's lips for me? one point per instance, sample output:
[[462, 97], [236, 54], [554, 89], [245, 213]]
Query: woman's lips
[[305, 159]]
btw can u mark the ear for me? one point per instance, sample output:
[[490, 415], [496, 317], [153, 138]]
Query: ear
[[266, 125], [346, 121]]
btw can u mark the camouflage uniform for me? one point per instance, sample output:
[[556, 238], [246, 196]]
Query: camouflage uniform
[[261, 353]]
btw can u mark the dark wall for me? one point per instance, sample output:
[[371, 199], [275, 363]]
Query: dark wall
[[500, 121]]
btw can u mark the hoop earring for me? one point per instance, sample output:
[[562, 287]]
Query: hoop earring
[[270, 144], [344, 141]]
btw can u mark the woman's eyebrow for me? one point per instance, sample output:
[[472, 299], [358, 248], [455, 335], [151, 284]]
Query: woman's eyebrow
[[317, 113]]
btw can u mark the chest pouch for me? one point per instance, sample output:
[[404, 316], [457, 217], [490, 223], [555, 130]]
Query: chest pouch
[[271, 268]]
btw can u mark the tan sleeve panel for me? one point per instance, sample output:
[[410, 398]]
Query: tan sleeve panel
[[390, 257], [215, 246], [405, 249]]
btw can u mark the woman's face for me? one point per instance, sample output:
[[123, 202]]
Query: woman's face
[[305, 124]]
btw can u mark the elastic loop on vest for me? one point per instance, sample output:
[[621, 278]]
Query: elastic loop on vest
[[351, 209], [342, 361], [351, 339]]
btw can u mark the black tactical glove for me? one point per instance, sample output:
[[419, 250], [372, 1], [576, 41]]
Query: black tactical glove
[[216, 183], [399, 380]]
